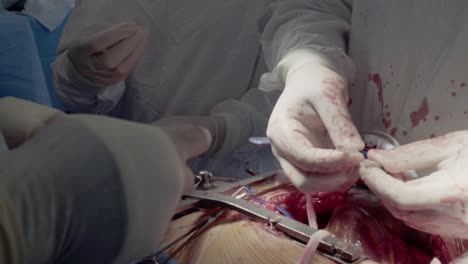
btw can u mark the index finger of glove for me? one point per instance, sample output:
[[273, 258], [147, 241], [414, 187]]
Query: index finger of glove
[[295, 147], [110, 37], [332, 109]]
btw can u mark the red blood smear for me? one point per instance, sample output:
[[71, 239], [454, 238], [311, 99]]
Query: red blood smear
[[387, 123], [388, 114], [420, 114], [378, 82], [404, 133], [463, 85], [440, 250], [393, 131], [359, 217], [294, 202], [407, 253], [454, 94]]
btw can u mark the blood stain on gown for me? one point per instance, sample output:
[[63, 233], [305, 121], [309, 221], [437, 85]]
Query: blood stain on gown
[[420, 114], [377, 80], [463, 85]]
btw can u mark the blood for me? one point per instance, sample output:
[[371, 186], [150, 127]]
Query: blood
[[386, 123], [463, 85], [404, 133], [420, 114], [454, 94], [377, 80], [394, 131], [358, 217]]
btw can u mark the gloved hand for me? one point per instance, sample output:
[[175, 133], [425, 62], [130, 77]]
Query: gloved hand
[[107, 58], [20, 119], [214, 124], [435, 203], [311, 131], [190, 141]]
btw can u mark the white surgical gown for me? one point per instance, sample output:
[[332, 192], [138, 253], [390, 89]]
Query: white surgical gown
[[409, 76], [202, 57]]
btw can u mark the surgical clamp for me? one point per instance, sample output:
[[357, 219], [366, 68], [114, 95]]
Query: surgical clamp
[[220, 193]]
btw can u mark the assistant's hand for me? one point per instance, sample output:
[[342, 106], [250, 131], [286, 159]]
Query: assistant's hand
[[190, 141], [435, 203], [20, 120], [312, 133], [107, 58], [214, 124]]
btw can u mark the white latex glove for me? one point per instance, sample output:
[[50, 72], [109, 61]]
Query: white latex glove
[[190, 141], [311, 130], [215, 125], [20, 119], [107, 58], [435, 203]]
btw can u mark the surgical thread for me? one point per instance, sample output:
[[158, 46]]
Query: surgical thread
[[278, 207]]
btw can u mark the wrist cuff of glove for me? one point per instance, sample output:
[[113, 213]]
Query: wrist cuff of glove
[[297, 59], [217, 129], [229, 131]]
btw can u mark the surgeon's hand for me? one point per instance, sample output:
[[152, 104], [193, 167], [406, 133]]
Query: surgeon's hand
[[311, 131], [107, 58], [436, 203], [190, 141]]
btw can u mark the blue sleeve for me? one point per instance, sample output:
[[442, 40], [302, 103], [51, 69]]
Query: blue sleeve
[[21, 72]]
